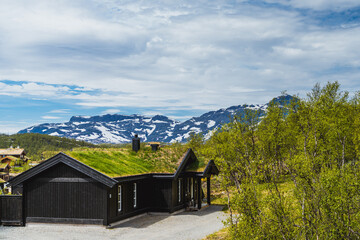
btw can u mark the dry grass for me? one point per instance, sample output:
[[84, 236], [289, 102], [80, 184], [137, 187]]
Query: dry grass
[[219, 235]]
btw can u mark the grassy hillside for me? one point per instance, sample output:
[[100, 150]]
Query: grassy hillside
[[35, 143], [123, 161]]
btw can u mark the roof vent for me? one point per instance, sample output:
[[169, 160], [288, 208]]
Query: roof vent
[[136, 143], [154, 145]]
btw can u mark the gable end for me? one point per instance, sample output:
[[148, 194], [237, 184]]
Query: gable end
[[69, 161], [211, 169], [188, 158]]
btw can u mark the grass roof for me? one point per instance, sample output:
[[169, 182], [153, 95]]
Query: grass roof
[[11, 151], [12, 158], [198, 166], [2, 181], [118, 162], [3, 165]]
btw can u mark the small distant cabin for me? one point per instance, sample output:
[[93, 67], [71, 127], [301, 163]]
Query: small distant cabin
[[63, 189], [10, 160], [4, 171], [12, 154]]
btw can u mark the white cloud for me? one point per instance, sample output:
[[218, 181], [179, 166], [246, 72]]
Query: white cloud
[[60, 111], [152, 113], [10, 128], [179, 118], [50, 117], [111, 111], [32, 89], [335, 5], [319, 5], [159, 54]]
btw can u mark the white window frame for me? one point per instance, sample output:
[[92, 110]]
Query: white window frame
[[135, 195], [119, 198], [179, 190]]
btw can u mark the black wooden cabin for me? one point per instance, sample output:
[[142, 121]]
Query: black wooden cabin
[[64, 190]]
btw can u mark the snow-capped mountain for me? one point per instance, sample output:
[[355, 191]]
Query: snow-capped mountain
[[210, 121], [109, 128], [121, 128]]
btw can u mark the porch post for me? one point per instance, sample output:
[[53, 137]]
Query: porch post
[[208, 190], [199, 193]]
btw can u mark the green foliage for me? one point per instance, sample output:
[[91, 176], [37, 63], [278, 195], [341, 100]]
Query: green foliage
[[195, 141], [339, 202], [311, 146]]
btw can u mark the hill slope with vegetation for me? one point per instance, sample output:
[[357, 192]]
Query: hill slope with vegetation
[[296, 175], [34, 143]]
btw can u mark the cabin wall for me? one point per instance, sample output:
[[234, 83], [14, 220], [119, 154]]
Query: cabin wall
[[189, 192], [63, 194], [143, 199], [162, 198], [178, 188], [152, 195], [11, 210]]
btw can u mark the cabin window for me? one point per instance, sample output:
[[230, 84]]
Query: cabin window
[[192, 188], [135, 195], [119, 198], [179, 190]]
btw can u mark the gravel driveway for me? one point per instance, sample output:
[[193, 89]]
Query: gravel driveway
[[180, 226]]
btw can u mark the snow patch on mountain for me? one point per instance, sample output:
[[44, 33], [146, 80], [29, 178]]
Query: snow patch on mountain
[[116, 128], [211, 123], [106, 134], [150, 131]]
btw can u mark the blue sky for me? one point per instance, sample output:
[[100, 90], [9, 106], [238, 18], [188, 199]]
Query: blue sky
[[177, 58]]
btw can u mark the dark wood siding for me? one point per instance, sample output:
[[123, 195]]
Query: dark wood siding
[[11, 210], [176, 204], [64, 193], [162, 196], [152, 195], [143, 199], [113, 203]]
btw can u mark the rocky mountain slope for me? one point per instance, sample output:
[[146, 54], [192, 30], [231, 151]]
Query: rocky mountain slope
[[121, 128]]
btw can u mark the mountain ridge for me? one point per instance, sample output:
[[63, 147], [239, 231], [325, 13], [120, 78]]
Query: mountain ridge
[[117, 128]]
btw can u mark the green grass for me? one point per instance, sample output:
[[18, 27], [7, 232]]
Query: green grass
[[113, 162], [219, 235], [116, 162], [198, 166], [19, 169]]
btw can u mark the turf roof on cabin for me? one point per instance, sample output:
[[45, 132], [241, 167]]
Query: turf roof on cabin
[[198, 166], [119, 162], [3, 165], [11, 158]]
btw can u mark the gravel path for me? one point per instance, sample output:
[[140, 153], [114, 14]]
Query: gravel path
[[181, 226]]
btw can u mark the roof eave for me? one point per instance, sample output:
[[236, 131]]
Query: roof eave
[[210, 169], [187, 156], [63, 158]]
